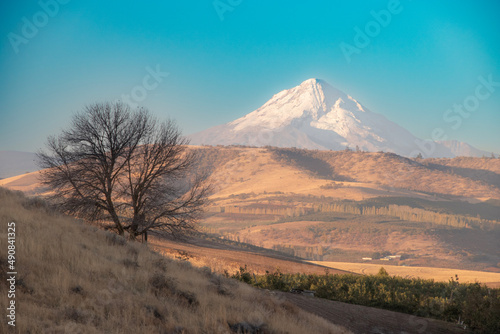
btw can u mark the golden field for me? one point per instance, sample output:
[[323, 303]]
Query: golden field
[[436, 274]]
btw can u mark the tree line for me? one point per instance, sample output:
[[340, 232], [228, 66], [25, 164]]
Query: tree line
[[402, 212]]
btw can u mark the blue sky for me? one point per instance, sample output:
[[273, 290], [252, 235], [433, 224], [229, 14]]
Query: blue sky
[[227, 59]]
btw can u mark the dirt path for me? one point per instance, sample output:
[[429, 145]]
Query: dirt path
[[368, 320]]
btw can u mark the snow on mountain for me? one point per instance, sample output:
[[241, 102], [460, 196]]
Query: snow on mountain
[[315, 115], [14, 163]]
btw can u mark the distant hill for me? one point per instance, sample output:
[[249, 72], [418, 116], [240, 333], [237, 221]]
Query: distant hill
[[439, 208], [357, 175], [13, 163]]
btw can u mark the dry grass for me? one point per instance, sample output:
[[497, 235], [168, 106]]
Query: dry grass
[[492, 165], [429, 176], [76, 279]]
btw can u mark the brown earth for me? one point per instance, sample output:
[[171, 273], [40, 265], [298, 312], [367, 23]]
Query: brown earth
[[221, 258], [355, 318]]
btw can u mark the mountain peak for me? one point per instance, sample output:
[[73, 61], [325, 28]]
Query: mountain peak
[[310, 100], [315, 84], [312, 81]]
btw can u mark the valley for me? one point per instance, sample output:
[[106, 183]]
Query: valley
[[337, 206], [343, 206]]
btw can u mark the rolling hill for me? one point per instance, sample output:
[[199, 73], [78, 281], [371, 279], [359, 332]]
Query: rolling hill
[[236, 170], [74, 278]]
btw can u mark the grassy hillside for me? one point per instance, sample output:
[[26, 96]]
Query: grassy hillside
[[73, 278]]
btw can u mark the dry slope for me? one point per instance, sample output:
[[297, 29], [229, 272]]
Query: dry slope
[[76, 279]]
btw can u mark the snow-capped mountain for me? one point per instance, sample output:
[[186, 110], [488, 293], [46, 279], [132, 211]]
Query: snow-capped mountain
[[315, 115]]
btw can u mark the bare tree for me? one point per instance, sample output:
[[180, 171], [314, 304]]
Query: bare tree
[[122, 166]]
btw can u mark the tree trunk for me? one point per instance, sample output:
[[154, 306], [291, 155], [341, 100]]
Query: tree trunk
[[117, 222]]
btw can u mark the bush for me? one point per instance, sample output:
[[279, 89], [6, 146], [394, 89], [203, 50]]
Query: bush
[[382, 272], [243, 275]]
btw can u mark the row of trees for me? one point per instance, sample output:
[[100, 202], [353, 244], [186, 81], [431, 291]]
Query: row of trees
[[402, 212], [407, 213], [265, 210], [314, 253]]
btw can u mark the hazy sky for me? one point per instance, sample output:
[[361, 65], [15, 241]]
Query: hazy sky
[[226, 58]]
